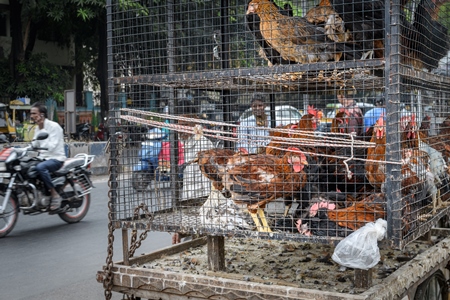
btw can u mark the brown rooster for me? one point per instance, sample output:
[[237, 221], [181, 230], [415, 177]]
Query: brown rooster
[[295, 38], [256, 180], [375, 171], [418, 181], [413, 160], [307, 122]]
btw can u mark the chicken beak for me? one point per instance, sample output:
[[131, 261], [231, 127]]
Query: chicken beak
[[298, 163], [251, 9]]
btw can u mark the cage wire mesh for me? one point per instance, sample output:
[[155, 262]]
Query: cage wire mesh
[[347, 127]]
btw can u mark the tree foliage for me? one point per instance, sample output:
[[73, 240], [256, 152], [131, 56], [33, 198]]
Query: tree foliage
[[41, 79], [58, 21]]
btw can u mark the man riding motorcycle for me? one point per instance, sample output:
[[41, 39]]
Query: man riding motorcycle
[[55, 156]]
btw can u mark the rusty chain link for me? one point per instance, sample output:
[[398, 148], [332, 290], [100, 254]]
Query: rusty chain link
[[134, 242], [108, 280]]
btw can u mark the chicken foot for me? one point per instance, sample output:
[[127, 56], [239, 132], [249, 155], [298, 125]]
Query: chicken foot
[[437, 204], [260, 221], [287, 207], [367, 55]]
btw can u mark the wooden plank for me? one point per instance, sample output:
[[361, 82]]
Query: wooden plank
[[440, 231], [145, 258], [363, 278], [194, 287], [216, 253], [125, 247], [251, 278]]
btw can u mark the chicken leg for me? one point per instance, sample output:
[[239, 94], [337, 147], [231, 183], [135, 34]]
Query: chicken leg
[[260, 221], [437, 203]]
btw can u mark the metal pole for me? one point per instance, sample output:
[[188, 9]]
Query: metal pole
[[393, 95], [173, 103], [225, 62]]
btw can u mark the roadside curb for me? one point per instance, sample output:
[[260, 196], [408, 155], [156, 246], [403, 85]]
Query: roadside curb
[[100, 164]]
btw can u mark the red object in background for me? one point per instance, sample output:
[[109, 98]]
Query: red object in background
[[100, 135], [164, 154]]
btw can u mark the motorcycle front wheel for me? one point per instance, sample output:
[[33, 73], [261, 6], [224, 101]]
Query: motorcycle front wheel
[[8, 218], [140, 180], [75, 215]]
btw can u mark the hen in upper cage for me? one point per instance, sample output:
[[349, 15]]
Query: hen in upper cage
[[296, 39]]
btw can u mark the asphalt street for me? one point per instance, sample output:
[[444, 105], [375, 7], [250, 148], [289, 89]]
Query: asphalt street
[[46, 258]]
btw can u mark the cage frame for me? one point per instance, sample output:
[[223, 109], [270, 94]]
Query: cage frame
[[398, 79]]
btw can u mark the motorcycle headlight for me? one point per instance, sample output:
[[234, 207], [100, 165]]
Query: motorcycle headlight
[[2, 166]]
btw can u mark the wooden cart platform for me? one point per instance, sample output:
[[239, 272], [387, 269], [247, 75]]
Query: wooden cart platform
[[148, 277]]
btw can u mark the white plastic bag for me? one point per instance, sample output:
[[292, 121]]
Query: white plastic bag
[[360, 249]]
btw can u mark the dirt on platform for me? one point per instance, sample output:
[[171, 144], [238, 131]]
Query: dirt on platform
[[302, 265]]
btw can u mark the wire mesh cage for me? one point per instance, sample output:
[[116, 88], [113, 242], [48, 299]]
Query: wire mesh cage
[[297, 120]]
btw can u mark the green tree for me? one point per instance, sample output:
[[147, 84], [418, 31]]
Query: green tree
[[60, 21]]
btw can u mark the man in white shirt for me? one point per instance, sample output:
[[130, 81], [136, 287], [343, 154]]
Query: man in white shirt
[[55, 154], [252, 133]]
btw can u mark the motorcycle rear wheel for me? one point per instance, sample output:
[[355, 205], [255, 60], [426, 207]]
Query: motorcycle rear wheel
[[140, 180], [77, 214], [9, 217]]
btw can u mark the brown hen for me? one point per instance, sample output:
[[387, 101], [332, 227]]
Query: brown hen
[[212, 164], [361, 212], [295, 38], [256, 180], [307, 123], [324, 14]]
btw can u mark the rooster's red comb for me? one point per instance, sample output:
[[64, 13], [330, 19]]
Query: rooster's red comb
[[312, 111]]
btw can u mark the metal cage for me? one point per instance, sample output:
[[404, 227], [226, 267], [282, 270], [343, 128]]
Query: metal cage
[[182, 78]]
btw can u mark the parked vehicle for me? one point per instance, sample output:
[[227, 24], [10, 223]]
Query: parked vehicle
[[284, 114], [134, 135], [21, 189], [7, 126], [82, 132]]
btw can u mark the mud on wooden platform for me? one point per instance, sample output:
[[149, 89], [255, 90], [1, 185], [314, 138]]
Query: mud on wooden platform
[[268, 269]]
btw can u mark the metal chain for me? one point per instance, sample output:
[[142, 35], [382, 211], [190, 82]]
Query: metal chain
[[108, 280], [137, 243]]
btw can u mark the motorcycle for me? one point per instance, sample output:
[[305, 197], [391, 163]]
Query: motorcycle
[[21, 189], [82, 132], [145, 171]]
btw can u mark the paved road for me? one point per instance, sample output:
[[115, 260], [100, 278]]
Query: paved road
[[46, 258]]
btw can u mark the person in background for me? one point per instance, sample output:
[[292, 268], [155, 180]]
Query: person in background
[[195, 185], [372, 115], [252, 131], [353, 113], [55, 155]]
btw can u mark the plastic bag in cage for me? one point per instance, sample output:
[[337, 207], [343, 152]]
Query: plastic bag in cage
[[360, 249]]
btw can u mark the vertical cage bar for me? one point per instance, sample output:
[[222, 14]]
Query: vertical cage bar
[[393, 86]]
